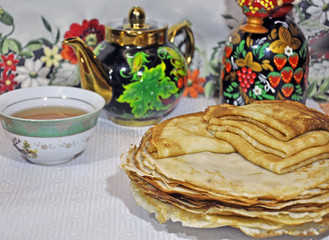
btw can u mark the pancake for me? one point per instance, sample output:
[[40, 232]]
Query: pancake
[[247, 169], [279, 136], [169, 137], [254, 227], [282, 119]]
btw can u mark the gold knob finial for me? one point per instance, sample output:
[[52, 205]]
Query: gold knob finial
[[136, 17]]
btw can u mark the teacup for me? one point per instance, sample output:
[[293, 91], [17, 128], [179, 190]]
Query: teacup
[[44, 139]]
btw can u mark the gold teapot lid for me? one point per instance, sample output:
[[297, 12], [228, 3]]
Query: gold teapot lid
[[136, 31]]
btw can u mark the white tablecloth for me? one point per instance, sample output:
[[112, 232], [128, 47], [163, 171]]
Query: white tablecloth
[[89, 198]]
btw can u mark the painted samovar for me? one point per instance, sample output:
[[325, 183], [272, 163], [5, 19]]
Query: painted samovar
[[266, 57]]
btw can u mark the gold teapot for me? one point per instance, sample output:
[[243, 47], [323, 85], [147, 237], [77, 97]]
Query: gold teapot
[[137, 69]]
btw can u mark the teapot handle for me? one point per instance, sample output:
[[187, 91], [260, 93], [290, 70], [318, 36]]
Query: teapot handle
[[177, 29]]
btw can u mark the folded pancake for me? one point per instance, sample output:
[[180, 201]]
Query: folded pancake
[[282, 119], [265, 142], [169, 137], [273, 162], [279, 136]]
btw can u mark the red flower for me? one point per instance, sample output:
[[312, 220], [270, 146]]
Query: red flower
[[7, 83], [8, 62], [194, 84], [91, 32]]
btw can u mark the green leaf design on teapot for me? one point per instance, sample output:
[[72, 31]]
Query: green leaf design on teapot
[[144, 95], [149, 86]]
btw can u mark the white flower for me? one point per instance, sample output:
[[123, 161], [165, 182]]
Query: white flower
[[32, 74], [66, 75], [318, 11], [257, 91], [288, 51], [51, 57]]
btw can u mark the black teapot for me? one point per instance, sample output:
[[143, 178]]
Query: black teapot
[[137, 69]]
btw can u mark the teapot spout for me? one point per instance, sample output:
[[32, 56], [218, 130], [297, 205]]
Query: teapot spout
[[93, 75]]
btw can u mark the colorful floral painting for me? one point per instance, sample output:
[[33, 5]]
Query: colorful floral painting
[[42, 61], [45, 61], [265, 66], [313, 18], [150, 88]]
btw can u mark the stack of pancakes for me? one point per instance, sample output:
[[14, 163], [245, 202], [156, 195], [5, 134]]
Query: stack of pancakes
[[262, 168]]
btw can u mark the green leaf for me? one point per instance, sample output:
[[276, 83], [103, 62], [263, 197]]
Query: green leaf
[[57, 36], [144, 95], [5, 46], [240, 52], [6, 19], [263, 10], [26, 54], [209, 89], [303, 50], [235, 84], [267, 96], [139, 59], [298, 90], [179, 72], [321, 97], [311, 91], [14, 45], [46, 24], [245, 9], [1, 44], [45, 41], [324, 87], [173, 53], [263, 49], [227, 16], [34, 45], [226, 94], [236, 95]]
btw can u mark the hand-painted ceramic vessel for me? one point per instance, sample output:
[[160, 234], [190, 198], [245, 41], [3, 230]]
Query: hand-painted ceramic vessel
[[50, 141], [137, 69], [265, 66]]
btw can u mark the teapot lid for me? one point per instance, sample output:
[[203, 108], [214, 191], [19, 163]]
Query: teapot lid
[[135, 31]]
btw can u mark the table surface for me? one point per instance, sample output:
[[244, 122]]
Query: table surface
[[89, 197]]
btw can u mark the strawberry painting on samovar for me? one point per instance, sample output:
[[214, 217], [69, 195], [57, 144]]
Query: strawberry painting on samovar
[[266, 57]]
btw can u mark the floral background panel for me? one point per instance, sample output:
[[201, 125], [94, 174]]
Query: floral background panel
[[313, 18], [32, 54]]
